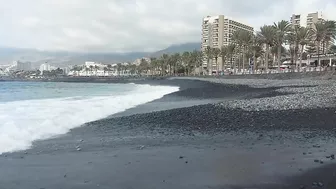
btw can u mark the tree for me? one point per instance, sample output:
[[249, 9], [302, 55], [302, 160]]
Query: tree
[[318, 35], [164, 63], [105, 70], [282, 28], [119, 68], [303, 36], [330, 34], [96, 69], [91, 68], [267, 35], [236, 38], [224, 54], [216, 53], [332, 49], [256, 49], [231, 49], [144, 66], [185, 60], [109, 67], [197, 59], [208, 53]]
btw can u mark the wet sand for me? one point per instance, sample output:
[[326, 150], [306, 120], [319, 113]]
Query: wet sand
[[186, 140]]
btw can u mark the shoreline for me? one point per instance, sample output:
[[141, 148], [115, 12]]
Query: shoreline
[[223, 144], [324, 75]]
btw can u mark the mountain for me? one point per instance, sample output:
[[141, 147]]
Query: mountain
[[62, 58], [178, 48]]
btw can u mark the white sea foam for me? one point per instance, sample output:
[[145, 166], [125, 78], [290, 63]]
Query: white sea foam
[[22, 122]]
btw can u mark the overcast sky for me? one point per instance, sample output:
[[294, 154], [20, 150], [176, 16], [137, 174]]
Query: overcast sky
[[132, 25]]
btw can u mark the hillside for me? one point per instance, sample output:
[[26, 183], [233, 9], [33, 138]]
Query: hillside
[[178, 48], [57, 58]]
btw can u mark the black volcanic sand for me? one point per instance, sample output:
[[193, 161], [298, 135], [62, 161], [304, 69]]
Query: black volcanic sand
[[190, 143]]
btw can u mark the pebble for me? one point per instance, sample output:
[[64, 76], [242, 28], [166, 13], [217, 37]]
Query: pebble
[[186, 161], [181, 157]]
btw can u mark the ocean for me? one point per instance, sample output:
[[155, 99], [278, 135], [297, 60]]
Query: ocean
[[31, 111]]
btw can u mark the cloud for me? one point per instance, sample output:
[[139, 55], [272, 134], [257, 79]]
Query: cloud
[[132, 25]]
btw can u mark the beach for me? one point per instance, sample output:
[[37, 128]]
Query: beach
[[214, 133]]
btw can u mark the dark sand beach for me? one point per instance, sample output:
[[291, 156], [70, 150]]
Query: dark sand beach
[[203, 136]]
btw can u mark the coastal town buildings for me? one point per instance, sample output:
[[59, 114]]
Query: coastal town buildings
[[217, 32]]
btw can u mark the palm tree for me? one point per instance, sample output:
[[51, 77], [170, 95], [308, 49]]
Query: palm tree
[[208, 53], [257, 50], [185, 59], [119, 67], [237, 39], [332, 49], [87, 70], [216, 53], [246, 39], [223, 54], [266, 35], [144, 66], [164, 63], [96, 69], [319, 32], [231, 49], [105, 70], [330, 35], [197, 58], [154, 65], [282, 29], [303, 36], [91, 68]]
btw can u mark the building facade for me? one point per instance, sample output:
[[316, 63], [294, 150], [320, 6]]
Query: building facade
[[217, 32], [309, 20], [45, 67]]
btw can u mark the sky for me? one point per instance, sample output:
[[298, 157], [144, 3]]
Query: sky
[[132, 25]]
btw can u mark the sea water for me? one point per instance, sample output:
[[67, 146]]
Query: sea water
[[32, 111]]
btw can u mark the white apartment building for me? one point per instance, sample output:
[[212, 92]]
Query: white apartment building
[[308, 20], [217, 32], [45, 67]]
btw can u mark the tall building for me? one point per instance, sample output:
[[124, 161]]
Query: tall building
[[309, 20], [295, 20], [217, 32], [306, 20], [313, 18]]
